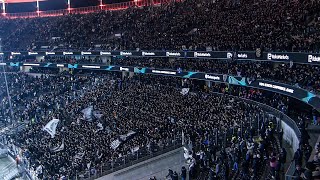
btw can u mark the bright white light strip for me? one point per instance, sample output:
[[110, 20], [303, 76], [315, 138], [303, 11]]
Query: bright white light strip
[[164, 72], [94, 67], [31, 64], [3, 64], [3, 7], [60, 65]]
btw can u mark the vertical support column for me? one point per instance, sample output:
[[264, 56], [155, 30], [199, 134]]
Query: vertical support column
[[101, 4], [62, 69], [131, 74], [69, 7], [106, 60], [26, 69], [39, 58], [208, 83], [3, 8], [38, 8], [124, 74]]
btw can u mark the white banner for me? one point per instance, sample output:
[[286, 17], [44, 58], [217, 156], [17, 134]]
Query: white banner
[[185, 91], [115, 144], [58, 148], [290, 136], [51, 127], [87, 113], [97, 114], [125, 136], [100, 127]]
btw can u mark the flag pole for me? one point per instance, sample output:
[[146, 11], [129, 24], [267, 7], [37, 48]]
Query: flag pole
[[6, 81]]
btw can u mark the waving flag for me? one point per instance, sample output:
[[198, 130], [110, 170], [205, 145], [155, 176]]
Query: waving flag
[[87, 113], [58, 148], [51, 127], [97, 114], [115, 144], [185, 91], [125, 136]]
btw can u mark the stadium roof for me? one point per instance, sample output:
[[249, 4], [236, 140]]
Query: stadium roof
[[29, 8], [18, 6]]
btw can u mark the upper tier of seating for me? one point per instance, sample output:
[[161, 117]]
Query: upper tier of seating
[[192, 24]]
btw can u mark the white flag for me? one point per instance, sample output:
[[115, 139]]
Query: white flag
[[115, 144], [39, 169], [58, 148], [100, 127], [125, 136], [185, 91], [97, 114], [135, 149], [182, 138], [51, 127], [87, 113], [79, 155]]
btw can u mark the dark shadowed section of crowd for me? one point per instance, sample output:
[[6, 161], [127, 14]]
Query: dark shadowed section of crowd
[[193, 24]]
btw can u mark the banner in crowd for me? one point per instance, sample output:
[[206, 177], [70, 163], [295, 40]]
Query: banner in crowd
[[185, 91], [115, 144], [58, 148], [124, 137], [87, 113], [281, 88], [296, 57], [51, 127]]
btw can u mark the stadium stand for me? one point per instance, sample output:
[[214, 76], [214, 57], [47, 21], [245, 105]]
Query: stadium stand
[[79, 124], [157, 113], [192, 24]]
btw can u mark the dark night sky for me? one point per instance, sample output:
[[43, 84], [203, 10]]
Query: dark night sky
[[53, 5]]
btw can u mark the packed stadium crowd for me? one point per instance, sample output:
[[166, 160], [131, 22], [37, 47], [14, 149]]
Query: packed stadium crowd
[[139, 115], [28, 94], [192, 24], [107, 120], [301, 75]]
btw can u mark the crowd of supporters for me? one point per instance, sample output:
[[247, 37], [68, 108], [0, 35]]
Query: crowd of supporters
[[192, 24], [142, 115], [150, 106], [301, 75]]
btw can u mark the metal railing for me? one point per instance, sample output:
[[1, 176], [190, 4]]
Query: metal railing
[[139, 156], [289, 121], [9, 171], [290, 172], [145, 153], [289, 175], [85, 10]]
